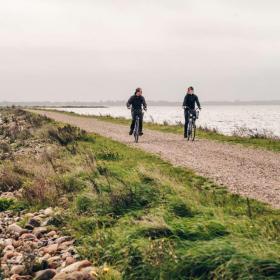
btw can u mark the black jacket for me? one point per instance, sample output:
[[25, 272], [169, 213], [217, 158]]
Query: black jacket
[[190, 100], [136, 102]]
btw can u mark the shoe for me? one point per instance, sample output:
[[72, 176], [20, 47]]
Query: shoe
[[185, 136], [141, 133], [130, 132]]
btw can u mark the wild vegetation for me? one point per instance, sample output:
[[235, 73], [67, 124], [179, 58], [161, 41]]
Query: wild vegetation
[[132, 212]]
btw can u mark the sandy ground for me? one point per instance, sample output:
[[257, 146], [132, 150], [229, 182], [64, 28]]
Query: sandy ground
[[245, 171]]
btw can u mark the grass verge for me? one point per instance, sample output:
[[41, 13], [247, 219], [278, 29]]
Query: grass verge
[[255, 139], [143, 218]]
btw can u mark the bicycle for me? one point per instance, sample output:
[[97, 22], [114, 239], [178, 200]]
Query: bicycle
[[191, 131], [136, 129]]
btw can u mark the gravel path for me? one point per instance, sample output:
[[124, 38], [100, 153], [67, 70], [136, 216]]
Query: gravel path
[[245, 171]]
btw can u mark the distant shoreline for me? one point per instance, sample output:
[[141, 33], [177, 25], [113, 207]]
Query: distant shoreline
[[106, 104]]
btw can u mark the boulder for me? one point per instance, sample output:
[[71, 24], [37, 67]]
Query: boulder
[[17, 269], [28, 236], [69, 260], [76, 266], [19, 277], [39, 231], [54, 262], [48, 212], [63, 239], [35, 222], [14, 228], [51, 249], [8, 248], [77, 275], [45, 274], [51, 233]]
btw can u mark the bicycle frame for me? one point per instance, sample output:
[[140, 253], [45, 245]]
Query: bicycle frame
[[136, 129], [193, 116]]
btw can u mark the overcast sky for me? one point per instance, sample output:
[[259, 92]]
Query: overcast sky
[[91, 50]]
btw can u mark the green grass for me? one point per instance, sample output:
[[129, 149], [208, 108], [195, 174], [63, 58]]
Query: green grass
[[255, 141], [150, 220], [143, 218], [258, 141]]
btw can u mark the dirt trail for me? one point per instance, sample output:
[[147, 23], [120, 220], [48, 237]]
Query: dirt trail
[[246, 171]]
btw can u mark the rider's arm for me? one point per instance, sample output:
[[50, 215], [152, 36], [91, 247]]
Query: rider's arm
[[197, 103], [185, 102], [144, 103], [129, 102]]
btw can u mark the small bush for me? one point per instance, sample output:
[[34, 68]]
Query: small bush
[[5, 204], [85, 204], [39, 191], [66, 134], [9, 180], [129, 199], [181, 209], [24, 134], [87, 225], [57, 220], [5, 147], [156, 232], [69, 183], [35, 120], [18, 206], [106, 154]]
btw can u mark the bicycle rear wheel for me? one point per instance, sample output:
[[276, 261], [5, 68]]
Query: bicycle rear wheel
[[136, 130]]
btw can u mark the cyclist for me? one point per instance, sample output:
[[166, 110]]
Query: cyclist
[[189, 105], [137, 102]]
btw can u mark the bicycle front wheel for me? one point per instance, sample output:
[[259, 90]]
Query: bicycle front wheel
[[136, 131], [190, 128], [193, 132]]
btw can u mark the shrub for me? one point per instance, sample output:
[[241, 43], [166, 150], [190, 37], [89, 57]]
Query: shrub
[[35, 120], [86, 225], [58, 220], [181, 209], [107, 154], [69, 183], [9, 180], [5, 147], [85, 204], [66, 134], [24, 134], [39, 191], [5, 204]]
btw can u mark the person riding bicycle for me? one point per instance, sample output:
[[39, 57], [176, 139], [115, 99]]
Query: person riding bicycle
[[189, 106], [137, 102]]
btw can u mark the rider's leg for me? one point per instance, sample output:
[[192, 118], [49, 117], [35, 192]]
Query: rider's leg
[[132, 123], [187, 118], [141, 123]]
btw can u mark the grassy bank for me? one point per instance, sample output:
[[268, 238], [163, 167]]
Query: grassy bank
[[134, 212], [255, 139]]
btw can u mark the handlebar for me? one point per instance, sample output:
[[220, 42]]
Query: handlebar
[[187, 107], [129, 107]]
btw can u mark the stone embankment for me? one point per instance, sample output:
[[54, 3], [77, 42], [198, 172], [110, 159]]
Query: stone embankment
[[33, 249]]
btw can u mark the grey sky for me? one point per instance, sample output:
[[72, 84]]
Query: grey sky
[[90, 50]]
